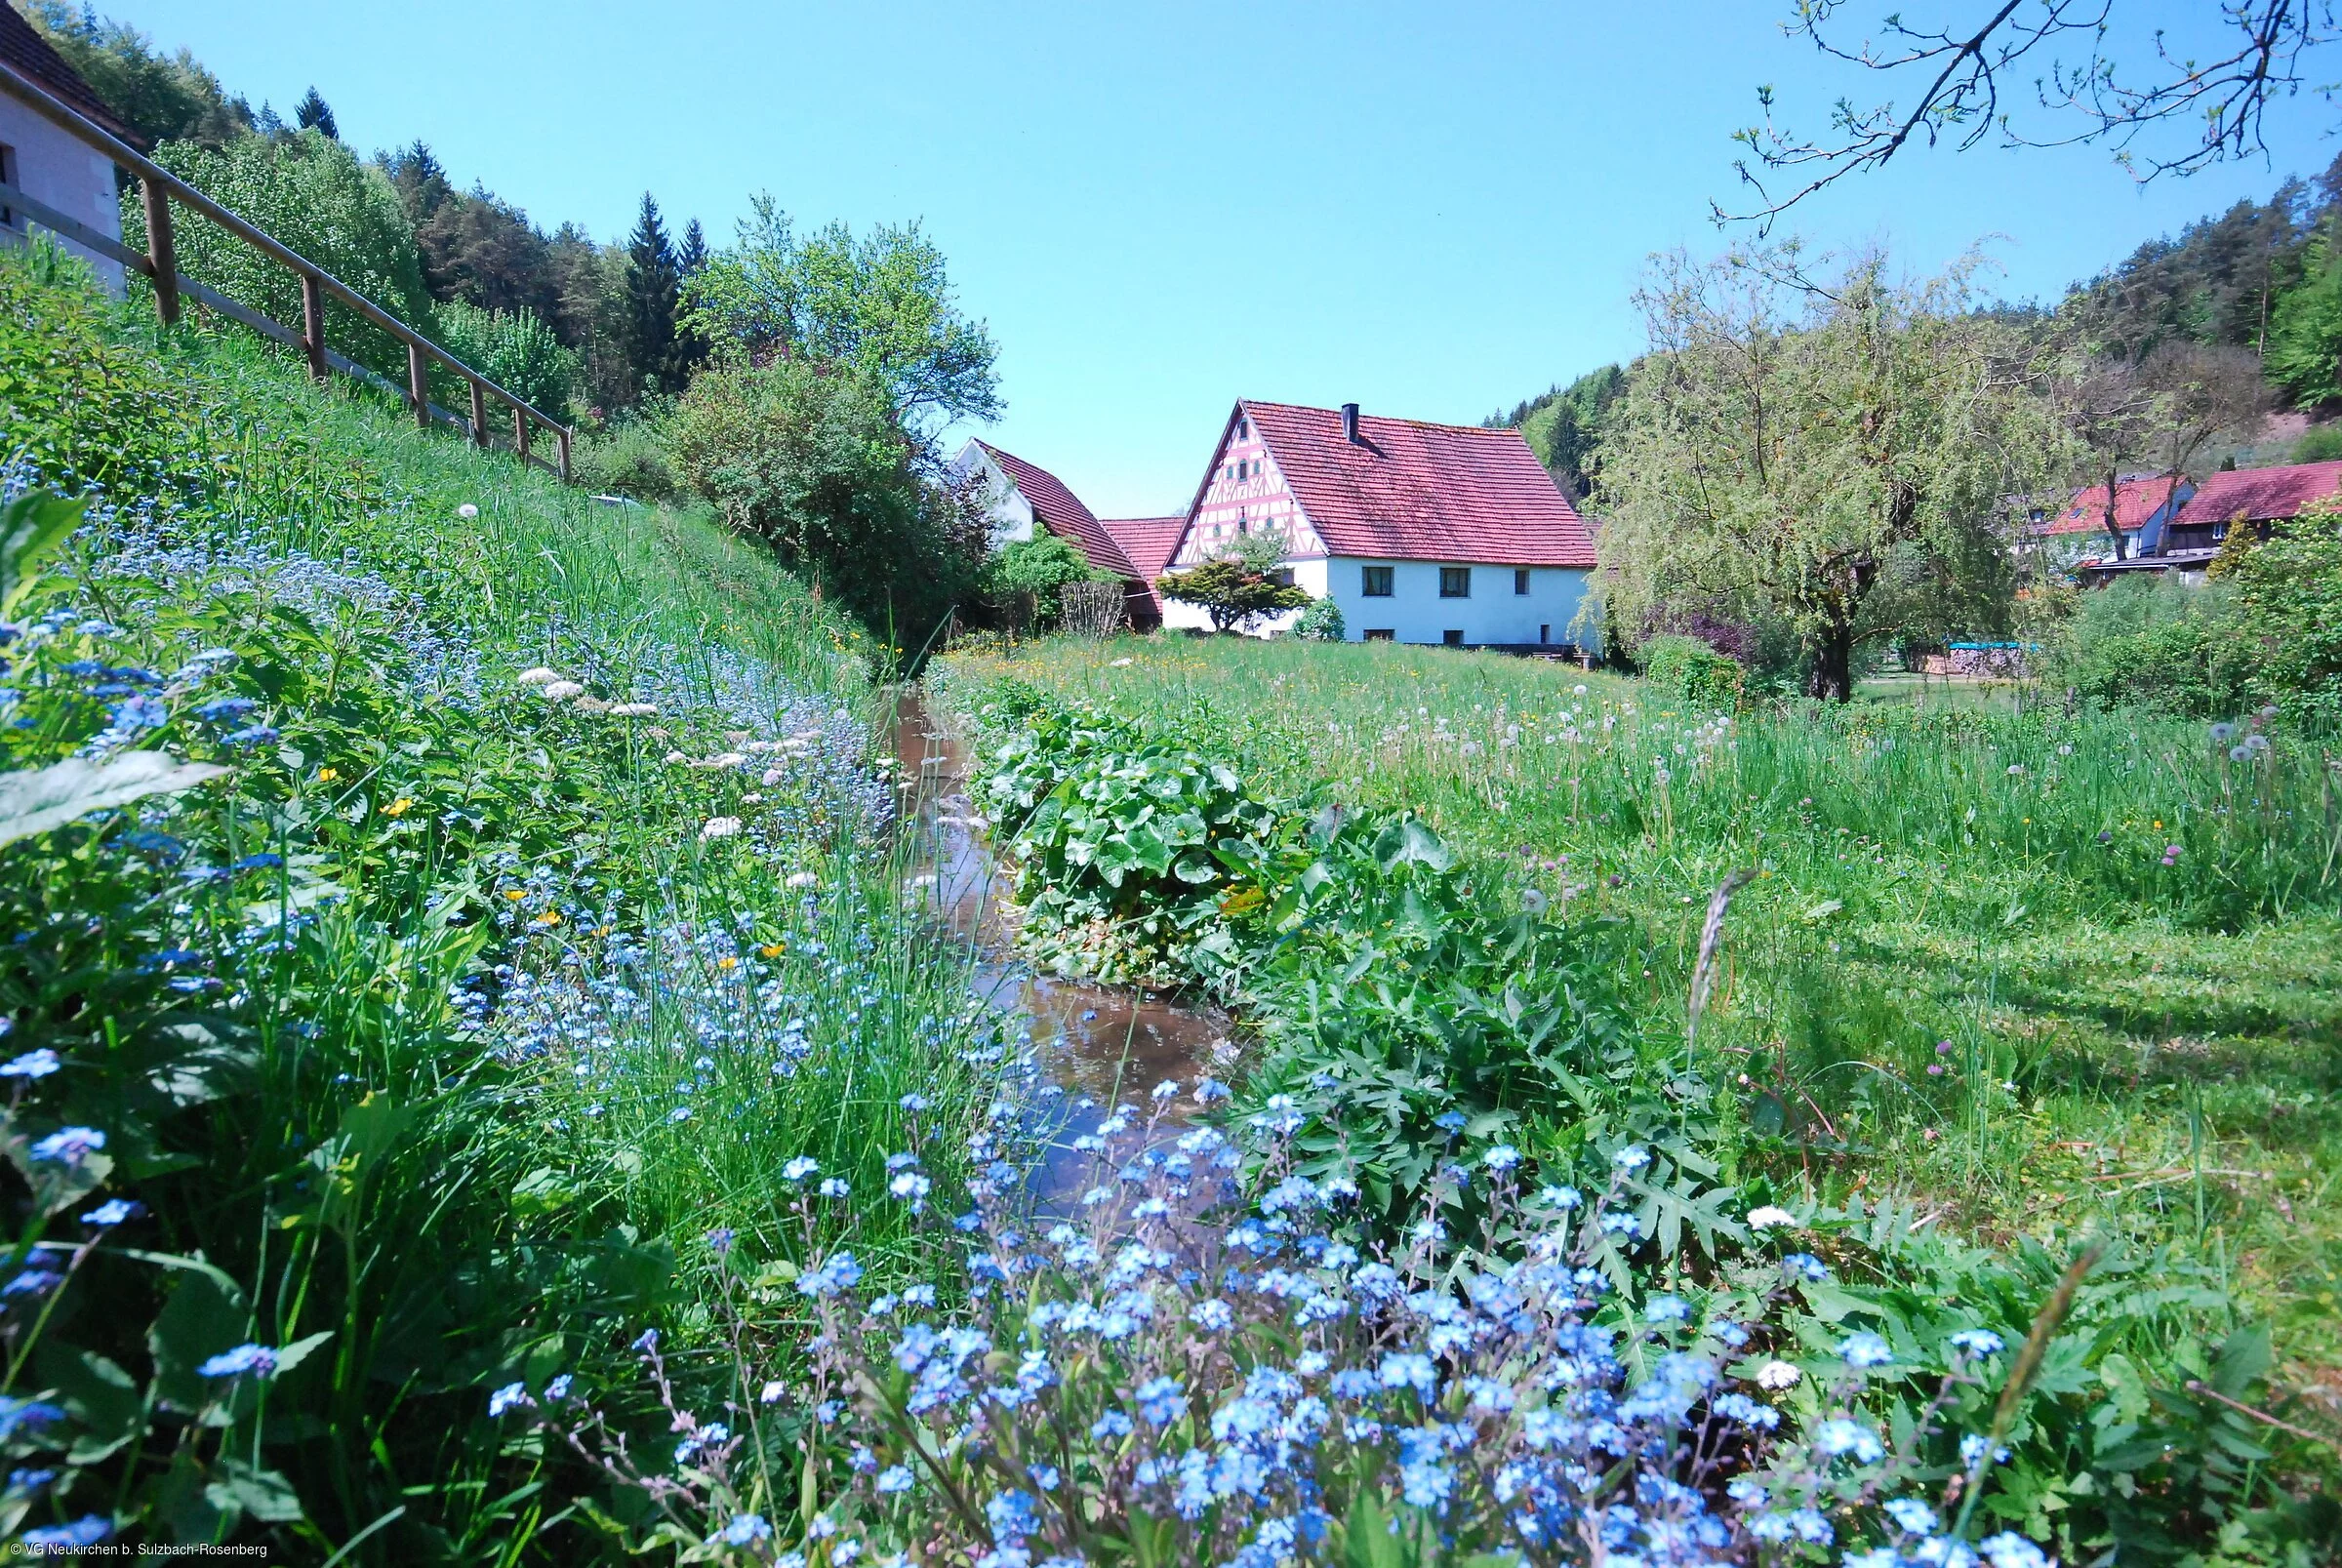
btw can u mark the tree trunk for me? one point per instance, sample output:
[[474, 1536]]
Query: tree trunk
[[2114, 527], [1830, 667]]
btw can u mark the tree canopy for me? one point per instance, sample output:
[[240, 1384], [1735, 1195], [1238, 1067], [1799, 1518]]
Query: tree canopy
[[1837, 456], [880, 302]]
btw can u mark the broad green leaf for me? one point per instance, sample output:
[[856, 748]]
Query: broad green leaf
[[39, 799], [31, 527]]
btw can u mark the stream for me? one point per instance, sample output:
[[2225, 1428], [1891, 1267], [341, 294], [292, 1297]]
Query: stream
[[1100, 1044]]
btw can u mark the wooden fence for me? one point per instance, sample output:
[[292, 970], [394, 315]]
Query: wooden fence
[[160, 188]]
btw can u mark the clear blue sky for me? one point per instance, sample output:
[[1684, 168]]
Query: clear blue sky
[[1431, 210]]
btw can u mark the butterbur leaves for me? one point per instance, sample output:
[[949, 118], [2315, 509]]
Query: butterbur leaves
[[37, 800]]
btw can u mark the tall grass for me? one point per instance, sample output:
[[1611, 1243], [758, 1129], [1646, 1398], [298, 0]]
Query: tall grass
[[2023, 969], [500, 949]]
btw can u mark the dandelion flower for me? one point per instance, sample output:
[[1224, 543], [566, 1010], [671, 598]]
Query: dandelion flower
[[467, 511]]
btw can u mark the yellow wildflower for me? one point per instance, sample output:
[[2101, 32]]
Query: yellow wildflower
[[328, 774], [550, 917], [727, 962], [773, 950], [400, 807]]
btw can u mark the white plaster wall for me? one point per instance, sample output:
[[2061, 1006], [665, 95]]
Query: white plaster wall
[[1493, 614], [1010, 513], [54, 168]]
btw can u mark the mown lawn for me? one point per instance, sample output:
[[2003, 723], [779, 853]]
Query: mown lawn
[[2022, 971]]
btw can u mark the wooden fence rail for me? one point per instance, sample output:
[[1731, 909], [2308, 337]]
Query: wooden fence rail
[[160, 188]]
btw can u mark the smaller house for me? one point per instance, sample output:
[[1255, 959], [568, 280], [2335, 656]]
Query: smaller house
[[1148, 544], [2255, 497], [2144, 507], [1023, 497], [45, 164]]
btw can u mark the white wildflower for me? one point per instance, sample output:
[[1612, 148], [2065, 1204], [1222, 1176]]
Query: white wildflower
[[1778, 1375], [561, 691], [467, 511], [537, 676], [801, 879], [1769, 1216], [720, 827]]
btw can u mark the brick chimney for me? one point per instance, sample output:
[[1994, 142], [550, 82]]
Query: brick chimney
[[1350, 425]]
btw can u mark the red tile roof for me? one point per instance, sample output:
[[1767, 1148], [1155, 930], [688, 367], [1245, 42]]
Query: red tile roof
[[2254, 494], [1062, 512], [1148, 541], [1420, 492], [25, 50], [2135, 501]]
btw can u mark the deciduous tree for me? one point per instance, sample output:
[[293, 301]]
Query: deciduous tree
[[1839, 454]]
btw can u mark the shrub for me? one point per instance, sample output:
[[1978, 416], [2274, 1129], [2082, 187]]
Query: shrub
[[809, 457], [1692, 671], [513, 349], [2152, 642], [628, 458], [1234, 592], [2319, 443], [1321, 621], [1023, 580], [2288, 610]]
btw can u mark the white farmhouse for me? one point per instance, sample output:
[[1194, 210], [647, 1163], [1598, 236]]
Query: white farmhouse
[[45, 164], [1420, 533]]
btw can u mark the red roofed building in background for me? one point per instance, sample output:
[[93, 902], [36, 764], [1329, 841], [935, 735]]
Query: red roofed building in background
[[1418, 531], [1025, 495], [2259, 495], [1146, 543], [2144, 505], [45, 164]]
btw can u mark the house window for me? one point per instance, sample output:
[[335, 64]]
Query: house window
[[1375, 581], [1453, 637], [1382, 634], [2219, 531], [1455, 583], [1283, 577], [1521, 579], [8, 177], [1544, 632]]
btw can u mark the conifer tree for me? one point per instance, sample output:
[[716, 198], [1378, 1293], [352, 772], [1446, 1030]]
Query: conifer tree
[[313, 114], [647, 312]]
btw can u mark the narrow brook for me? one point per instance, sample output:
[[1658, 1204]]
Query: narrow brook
[[1099, 1043]]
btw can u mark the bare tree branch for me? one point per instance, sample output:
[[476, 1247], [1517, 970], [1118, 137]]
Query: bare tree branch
[[2080, 86]]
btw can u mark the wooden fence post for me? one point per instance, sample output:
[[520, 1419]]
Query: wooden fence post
[[160, 250], [561, 435], [479, 416], [520, 433], [419, 389], [312, 325]]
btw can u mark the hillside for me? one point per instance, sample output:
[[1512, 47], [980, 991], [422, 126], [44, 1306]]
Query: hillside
[[507, 920]]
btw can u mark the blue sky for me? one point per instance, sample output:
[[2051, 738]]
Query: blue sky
[[1431, 210]]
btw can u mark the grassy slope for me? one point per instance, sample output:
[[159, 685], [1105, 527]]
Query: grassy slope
[[2150, 1048], [502, 878]]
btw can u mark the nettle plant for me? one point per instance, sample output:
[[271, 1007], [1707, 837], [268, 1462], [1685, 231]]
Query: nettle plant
[[1170, 1376]]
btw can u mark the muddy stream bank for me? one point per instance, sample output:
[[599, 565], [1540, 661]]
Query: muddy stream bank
[[1101, 1044]]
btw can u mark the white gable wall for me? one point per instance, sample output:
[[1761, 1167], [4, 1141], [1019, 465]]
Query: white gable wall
[[1011, 514], [52, 167]]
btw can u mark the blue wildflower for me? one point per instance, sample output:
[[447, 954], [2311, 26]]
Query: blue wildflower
[[83, 1533], [257, 1360], [1978, 1342], [68, 1145], [1865, 1351], [34, 1064], [745, 1530], [509, 1396], [1161, 1401]]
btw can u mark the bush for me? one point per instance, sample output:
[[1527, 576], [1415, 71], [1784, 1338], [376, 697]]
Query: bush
[[517, 350], [1023, 582], [2319, 443], [809, 456], [2152, 642], [1321, 621], [2289, 611], [1692, 671], [628, 458]]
